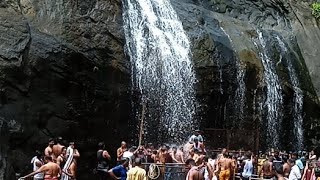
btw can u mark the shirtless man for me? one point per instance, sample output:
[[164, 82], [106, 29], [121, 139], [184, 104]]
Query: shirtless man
[[76, 153], [194, 173], [224, 165], [267, 168], [164, 156], [141, 153], [193, 155], [279, 172], [61, 160], [199, 146], [49, 151], [286, 168], [71, 172], [121, 150], [177, 156], [51, 170], [57, 148]]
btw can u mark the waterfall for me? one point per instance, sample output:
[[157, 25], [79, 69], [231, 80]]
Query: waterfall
[[162, 71], [297, 97], [274, 99], [241, 89]]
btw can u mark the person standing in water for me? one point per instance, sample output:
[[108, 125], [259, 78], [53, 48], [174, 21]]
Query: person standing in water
[[103, 158], [197, 136]]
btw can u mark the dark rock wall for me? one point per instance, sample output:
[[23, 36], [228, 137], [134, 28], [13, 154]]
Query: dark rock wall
[[64, 72]]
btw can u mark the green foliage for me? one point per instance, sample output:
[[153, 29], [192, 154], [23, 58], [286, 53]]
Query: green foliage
[[316, 10]]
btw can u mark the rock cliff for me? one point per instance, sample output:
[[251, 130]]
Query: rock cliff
[[64, 71]]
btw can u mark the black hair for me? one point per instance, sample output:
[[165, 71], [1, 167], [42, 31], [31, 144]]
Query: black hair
[[206, 158], [292, 161], [284, 158], [190, 162], [49, 158], [51, 139], [279, 168], [59, 140], [101, 145], [124, 160], [38, 154], [213, 155]]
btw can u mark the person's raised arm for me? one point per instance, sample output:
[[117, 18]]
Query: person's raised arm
[[181, 157], [119, 153], [112, 174], [136, 151], [76, 153], [40, 170], [106, 155]]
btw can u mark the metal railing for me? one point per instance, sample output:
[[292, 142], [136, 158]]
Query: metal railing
[[168, 171]]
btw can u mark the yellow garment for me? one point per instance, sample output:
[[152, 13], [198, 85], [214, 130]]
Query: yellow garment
[[224, 175], [136, 173], [260, 164]]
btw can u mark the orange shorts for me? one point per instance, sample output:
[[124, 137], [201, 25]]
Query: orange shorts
[[224, 174]]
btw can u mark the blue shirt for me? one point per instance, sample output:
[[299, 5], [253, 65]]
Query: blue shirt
[[299, 164], [120, 171]]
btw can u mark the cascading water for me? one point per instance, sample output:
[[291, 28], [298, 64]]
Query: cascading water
[[297, 96], [162, 71], [274, 98], [241, 89]]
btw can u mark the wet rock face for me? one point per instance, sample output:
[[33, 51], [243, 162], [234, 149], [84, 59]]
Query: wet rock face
[[224, 35], [63, 71]]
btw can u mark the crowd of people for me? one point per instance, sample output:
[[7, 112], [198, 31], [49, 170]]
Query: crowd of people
[[60, 162], [56, 162]]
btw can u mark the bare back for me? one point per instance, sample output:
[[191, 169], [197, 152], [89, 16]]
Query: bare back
[[179, 157], [195, 174], [57, 150], [286, 170], [48, 151], [267, 168], [225, 164], [51, 170]]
